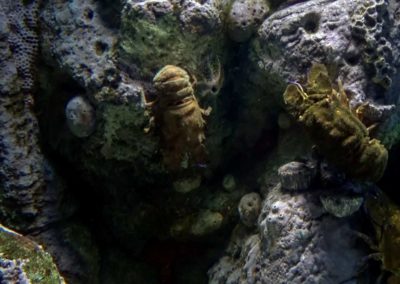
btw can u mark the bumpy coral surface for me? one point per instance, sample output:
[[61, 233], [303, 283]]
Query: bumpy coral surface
[[28, 196], [294, 37], [332, 125], [295, 243]]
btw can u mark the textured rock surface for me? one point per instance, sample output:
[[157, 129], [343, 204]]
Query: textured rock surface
[[33, 196], [249, 208], [157, 33], [296, 175], [30, 190], [23, 261], [296, 242], [244, 18], [107, 52], [329, 36]]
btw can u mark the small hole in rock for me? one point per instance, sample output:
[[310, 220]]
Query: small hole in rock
[[100, 47], [352, 59], [89, 14], [311, 22], [214, 89]]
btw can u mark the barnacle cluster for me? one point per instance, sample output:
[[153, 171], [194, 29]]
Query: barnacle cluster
[[179, 118], [336, 129]]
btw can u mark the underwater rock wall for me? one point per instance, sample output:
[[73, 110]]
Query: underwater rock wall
[[297, 240], [30, 189], [74, 103]]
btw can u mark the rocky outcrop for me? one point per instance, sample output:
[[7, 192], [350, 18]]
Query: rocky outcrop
[[30, 190], [356, 39], [24, 261], [297, 241]]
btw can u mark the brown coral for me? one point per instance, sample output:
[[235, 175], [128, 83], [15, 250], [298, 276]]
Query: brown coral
[[179, 118]]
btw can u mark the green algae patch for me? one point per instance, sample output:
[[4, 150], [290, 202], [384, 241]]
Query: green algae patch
[[154, 43], [124, 137], [37, 264]]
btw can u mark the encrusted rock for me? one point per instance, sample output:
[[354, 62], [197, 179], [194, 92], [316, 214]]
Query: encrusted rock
[[296, 175], [23, 261], [296, 243], [244, 18], [74, 36], [162, 32], [367, 27], [249, 208], [22, 20], [81, 117], [328, 36], [28, 200]]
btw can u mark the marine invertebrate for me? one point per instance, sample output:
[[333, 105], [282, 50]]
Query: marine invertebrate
[[385, 218], [179, 117], [339, 134]]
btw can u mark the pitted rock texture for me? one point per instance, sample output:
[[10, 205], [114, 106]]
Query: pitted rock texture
[[30, 191], [291, 39], [296, 242], [75, 39], [369, 32], [12, 272], [22, 22], [244, 18]]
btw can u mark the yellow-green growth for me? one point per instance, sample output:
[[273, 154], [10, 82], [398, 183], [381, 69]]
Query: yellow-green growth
[[38, 264]]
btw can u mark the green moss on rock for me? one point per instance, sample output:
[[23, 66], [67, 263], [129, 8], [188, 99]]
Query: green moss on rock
[[154, 43], [37, 265]]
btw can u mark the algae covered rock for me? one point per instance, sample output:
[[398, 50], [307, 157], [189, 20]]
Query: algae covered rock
[[24, 261], [162, 32]]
